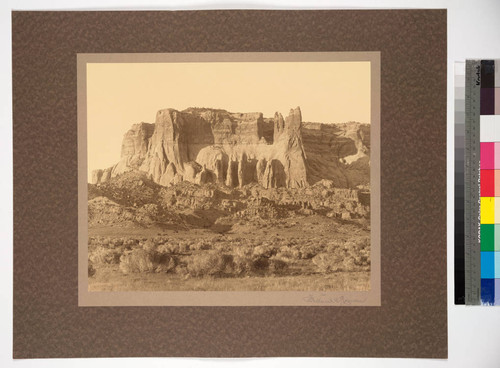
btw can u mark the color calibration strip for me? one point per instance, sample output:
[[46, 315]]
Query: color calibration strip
[[472, 251], [459, 183], [477, 182], [490, 182]]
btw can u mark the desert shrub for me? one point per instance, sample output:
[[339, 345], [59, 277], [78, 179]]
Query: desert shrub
[[284, 249], [337, 261], [222, 247], [363, 244], [210, 263], [159, 240], [141, 260], [166, 265], [201, 245], [321, 243], [103, 241], [148, 245], [242, 265], [362, 259], [307, 252], [350, 246], [258, 261], [318, 247], [289, 253], [296, 253], [329, 262], [243, 259], [334, 245], [129, 242], [217, 239], [260, 264], [243, 250], [184, 246], [348, 264], [277, 265], [91, 269], [264, 251], [102, 255], [182, 270], [116, 242], [169, 248]]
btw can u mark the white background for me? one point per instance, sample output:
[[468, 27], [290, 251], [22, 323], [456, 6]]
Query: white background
[[473, 32]]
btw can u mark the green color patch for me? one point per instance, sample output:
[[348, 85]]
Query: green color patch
[[488, 237], [497, 238]]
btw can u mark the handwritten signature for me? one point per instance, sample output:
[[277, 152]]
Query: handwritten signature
[[329, 299]]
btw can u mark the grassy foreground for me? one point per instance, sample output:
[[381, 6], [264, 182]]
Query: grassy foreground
[[111, 279], [299, 254]]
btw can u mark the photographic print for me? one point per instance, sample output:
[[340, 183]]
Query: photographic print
[[241, 160], [229, 174]]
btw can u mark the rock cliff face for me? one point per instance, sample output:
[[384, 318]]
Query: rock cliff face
[[209, 145], [338, 152]]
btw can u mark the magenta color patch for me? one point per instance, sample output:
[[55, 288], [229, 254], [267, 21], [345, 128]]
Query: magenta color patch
[[497, 155], [487, 155]]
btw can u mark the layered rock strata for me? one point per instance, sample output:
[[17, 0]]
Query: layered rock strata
[[215, 146]]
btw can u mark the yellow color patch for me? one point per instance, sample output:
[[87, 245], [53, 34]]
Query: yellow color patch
[[497, 210], [488, 210]]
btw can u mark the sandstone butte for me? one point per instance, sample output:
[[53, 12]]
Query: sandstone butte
[[203, 145]]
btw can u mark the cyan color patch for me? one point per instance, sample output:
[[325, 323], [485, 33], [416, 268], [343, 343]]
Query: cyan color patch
[[497, 264], [488, 265]]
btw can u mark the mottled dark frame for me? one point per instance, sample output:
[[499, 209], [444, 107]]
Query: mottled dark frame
[[412, 320]]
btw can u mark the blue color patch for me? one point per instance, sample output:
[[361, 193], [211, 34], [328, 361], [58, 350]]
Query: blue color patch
[[497, 291], [488, 291]]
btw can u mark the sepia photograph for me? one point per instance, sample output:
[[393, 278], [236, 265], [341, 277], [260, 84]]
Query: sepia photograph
[[229, 183], [236, 174]]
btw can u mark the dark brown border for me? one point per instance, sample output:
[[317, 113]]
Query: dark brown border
[[412, 320]]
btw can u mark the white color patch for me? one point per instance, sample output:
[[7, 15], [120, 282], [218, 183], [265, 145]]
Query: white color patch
[[489, 128]]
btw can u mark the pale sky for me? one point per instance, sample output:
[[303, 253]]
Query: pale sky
[[122, 94]]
